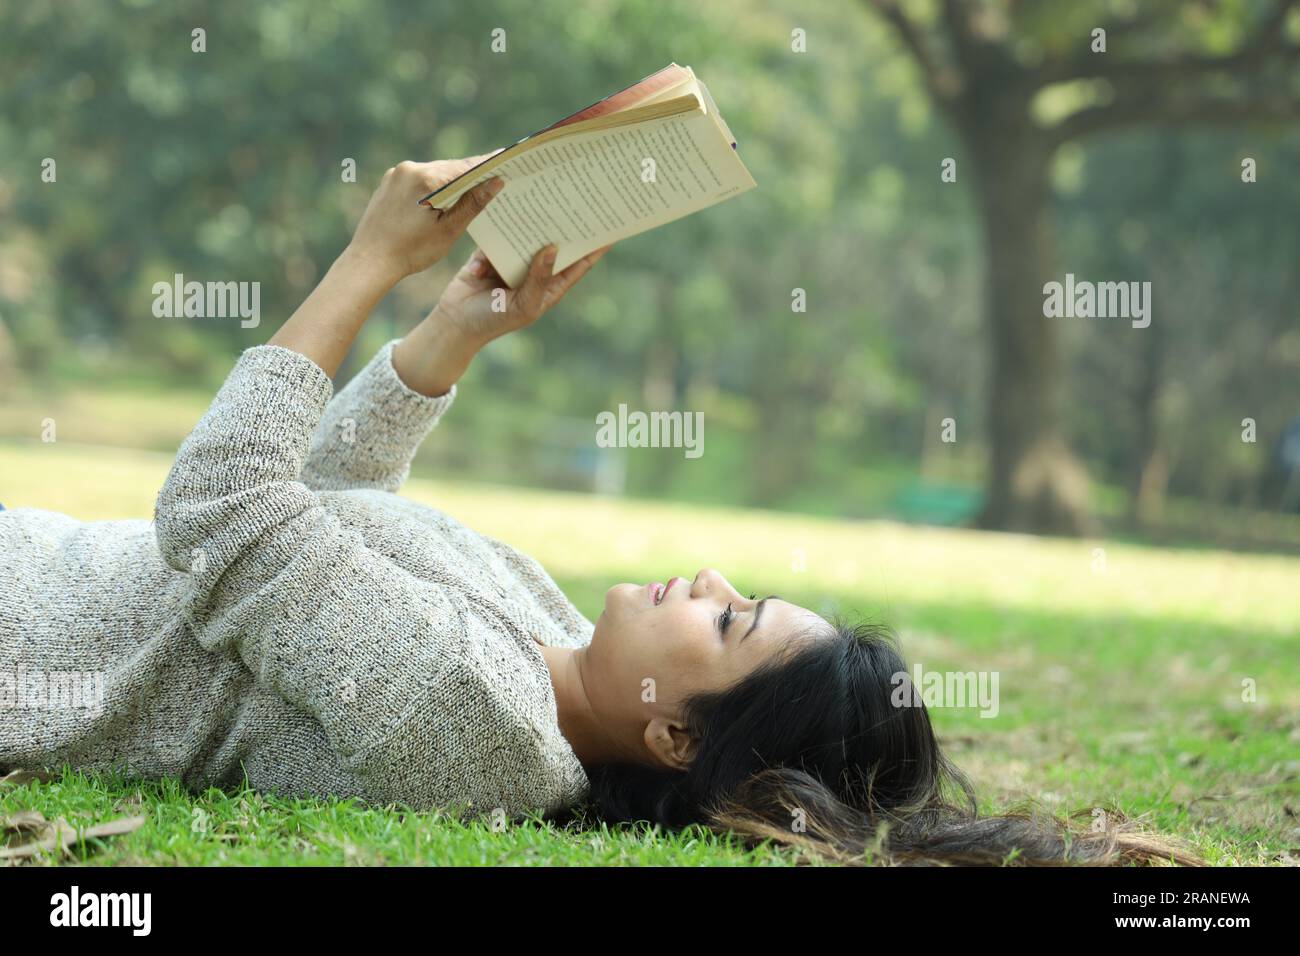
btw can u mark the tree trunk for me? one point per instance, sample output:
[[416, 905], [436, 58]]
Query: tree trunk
[[1150, 473], [659, 393], [8, 358], [780, 455], [1034, 484]]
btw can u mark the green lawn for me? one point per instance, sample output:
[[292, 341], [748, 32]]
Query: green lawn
[[1121, 672]]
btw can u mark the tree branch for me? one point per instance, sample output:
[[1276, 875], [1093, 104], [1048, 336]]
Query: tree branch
[[1266, 45], [942, 82], [1156, 108], [964, 42]]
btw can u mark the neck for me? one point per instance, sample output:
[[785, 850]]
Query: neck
[[592, 740]]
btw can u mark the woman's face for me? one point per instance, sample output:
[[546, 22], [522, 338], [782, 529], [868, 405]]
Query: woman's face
[[657, 644]]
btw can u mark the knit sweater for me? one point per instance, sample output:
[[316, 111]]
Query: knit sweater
[[288, 617]]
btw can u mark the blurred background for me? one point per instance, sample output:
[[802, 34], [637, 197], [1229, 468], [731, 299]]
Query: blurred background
[[1144, 628], [923, 297]]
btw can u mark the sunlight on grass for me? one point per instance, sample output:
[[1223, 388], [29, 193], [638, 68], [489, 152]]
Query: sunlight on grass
[[885, 563], [1121, 682]]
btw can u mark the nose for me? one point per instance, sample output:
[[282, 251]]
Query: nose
[[709, 580]]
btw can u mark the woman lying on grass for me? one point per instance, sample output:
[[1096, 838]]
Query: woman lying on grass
[[287, 616]]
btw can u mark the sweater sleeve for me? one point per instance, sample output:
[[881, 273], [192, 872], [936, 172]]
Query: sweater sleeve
[[390, 665], [371, 430]]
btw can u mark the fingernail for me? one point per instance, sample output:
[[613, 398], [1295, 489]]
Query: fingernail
[[549, 256], [496, 185]]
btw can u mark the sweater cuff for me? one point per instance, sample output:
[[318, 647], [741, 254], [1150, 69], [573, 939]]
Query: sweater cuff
[[392, 390], [285, 378], [397, 418]]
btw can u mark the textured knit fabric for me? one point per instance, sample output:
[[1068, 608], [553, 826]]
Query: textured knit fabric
[[287, 616]]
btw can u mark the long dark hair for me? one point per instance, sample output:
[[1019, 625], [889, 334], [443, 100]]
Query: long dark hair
[[811, 751]]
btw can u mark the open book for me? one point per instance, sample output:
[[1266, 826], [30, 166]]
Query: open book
[[638, 159]]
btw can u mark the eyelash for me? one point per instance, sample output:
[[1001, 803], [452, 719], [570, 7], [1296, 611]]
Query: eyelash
[[724, 620]]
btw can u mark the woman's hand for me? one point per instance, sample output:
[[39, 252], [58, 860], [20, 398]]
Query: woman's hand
[[481, 307], [476, 308], [395, 238], [402, 237]]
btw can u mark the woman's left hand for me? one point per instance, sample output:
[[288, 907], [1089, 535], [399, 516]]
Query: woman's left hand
[[400, 236]]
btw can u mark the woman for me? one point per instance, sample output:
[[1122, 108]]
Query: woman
[[287, 617]]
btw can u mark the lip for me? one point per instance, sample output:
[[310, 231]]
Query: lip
[[656, 591], [667, 588]]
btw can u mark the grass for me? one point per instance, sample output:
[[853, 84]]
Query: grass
[[1121, 673]]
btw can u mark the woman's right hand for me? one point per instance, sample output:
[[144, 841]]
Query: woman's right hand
[[435, 354], [479, 305]]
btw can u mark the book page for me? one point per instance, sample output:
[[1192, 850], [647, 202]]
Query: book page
[[712, 109], [653, 108], [649, 89], [586, 190], [672, 80]]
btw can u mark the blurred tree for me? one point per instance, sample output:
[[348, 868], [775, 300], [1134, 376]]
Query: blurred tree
[[227, 164], [997, 70]]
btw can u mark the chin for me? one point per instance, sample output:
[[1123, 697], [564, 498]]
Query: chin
[[615, 598]]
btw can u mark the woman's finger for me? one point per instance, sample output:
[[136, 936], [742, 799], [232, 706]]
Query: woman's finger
[[560, 284], [472, 161], [484, 269], [439, 172], [459, 216], [530, 297], [478, 264]]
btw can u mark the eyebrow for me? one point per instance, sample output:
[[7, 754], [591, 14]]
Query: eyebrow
[[758, 612]]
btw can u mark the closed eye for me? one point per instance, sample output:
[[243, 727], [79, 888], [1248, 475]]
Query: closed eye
[[727, 616]]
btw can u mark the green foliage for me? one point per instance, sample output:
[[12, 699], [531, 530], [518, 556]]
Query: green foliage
[[225, 165]]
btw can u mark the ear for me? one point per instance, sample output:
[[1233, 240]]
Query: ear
[[669, 743]]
